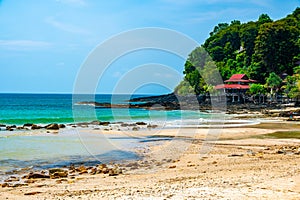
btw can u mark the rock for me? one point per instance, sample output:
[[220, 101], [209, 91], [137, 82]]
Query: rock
[[149, 126], [235, 155], [82, 169], [34, 127], [59, 175], [36, 176], [61, 126], [95, 122], [27, 124], [19, 185], [52, 127], [32, 193], [141, 123], [172, 166], [105, 170], [4, 185], [29, 181], [114, 172], [2, 125], [54, 170], [135, 128], [104, 123]]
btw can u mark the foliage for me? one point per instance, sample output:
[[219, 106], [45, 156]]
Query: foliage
[[256, 48], [257, 89]]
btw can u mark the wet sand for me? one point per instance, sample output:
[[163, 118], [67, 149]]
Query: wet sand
[[196, 163]]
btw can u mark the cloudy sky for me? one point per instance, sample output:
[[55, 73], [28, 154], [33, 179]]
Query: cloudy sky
[[43, 44]]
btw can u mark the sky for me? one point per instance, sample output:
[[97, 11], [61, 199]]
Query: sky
[[44, 44]]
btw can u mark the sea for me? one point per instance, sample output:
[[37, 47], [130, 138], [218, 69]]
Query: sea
[[35, 150]]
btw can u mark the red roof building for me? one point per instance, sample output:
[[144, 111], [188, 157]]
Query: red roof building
[[236, 84]]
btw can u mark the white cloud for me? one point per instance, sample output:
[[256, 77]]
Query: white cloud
[[23, 44], [66, 27]]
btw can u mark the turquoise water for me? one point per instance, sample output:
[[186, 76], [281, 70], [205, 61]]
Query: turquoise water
[[39, 150], [59, 108]]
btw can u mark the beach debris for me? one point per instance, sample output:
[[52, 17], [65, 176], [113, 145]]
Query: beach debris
[[172, 166]]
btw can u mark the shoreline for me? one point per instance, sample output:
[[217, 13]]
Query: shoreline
[[168, 167]]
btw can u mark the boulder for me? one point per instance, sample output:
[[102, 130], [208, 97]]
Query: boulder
[[141, 123], [52, 127], [82, 169], [27, 124], [135, 128], [62, 126], [36, 176], [104, 123], [34, 127], [58, 173]]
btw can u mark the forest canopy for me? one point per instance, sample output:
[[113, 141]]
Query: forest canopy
[[256, 48]]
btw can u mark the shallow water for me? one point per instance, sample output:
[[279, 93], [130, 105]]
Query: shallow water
[[19, 150]]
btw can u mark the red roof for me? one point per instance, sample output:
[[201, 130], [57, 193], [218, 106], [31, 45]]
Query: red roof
[[239, 78], [232, 86]]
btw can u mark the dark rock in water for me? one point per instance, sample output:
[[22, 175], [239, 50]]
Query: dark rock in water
[[141, 123], [34, 127], [135, 128], [11, 128], [151, 126], [104, 123], [28, 124], [2, 125], [52, 171], [52, 127], [62, 126], [95, 122], [36, 176]]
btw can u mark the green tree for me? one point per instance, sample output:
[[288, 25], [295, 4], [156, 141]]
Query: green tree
[[273, 82], [257, 90]]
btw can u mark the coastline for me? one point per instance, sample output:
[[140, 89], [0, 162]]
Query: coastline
[[240, 164]]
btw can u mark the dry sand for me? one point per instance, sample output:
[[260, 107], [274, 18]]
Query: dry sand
[[193, 166]]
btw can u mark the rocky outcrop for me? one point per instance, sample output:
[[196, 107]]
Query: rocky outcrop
[[52, 127]]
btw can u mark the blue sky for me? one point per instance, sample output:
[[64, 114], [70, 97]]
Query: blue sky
[[44, 43]]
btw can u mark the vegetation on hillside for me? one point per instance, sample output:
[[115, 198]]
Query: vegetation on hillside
[[265, 50]]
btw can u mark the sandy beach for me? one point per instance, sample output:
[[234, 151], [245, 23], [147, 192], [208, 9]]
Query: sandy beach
[[230, 163]]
